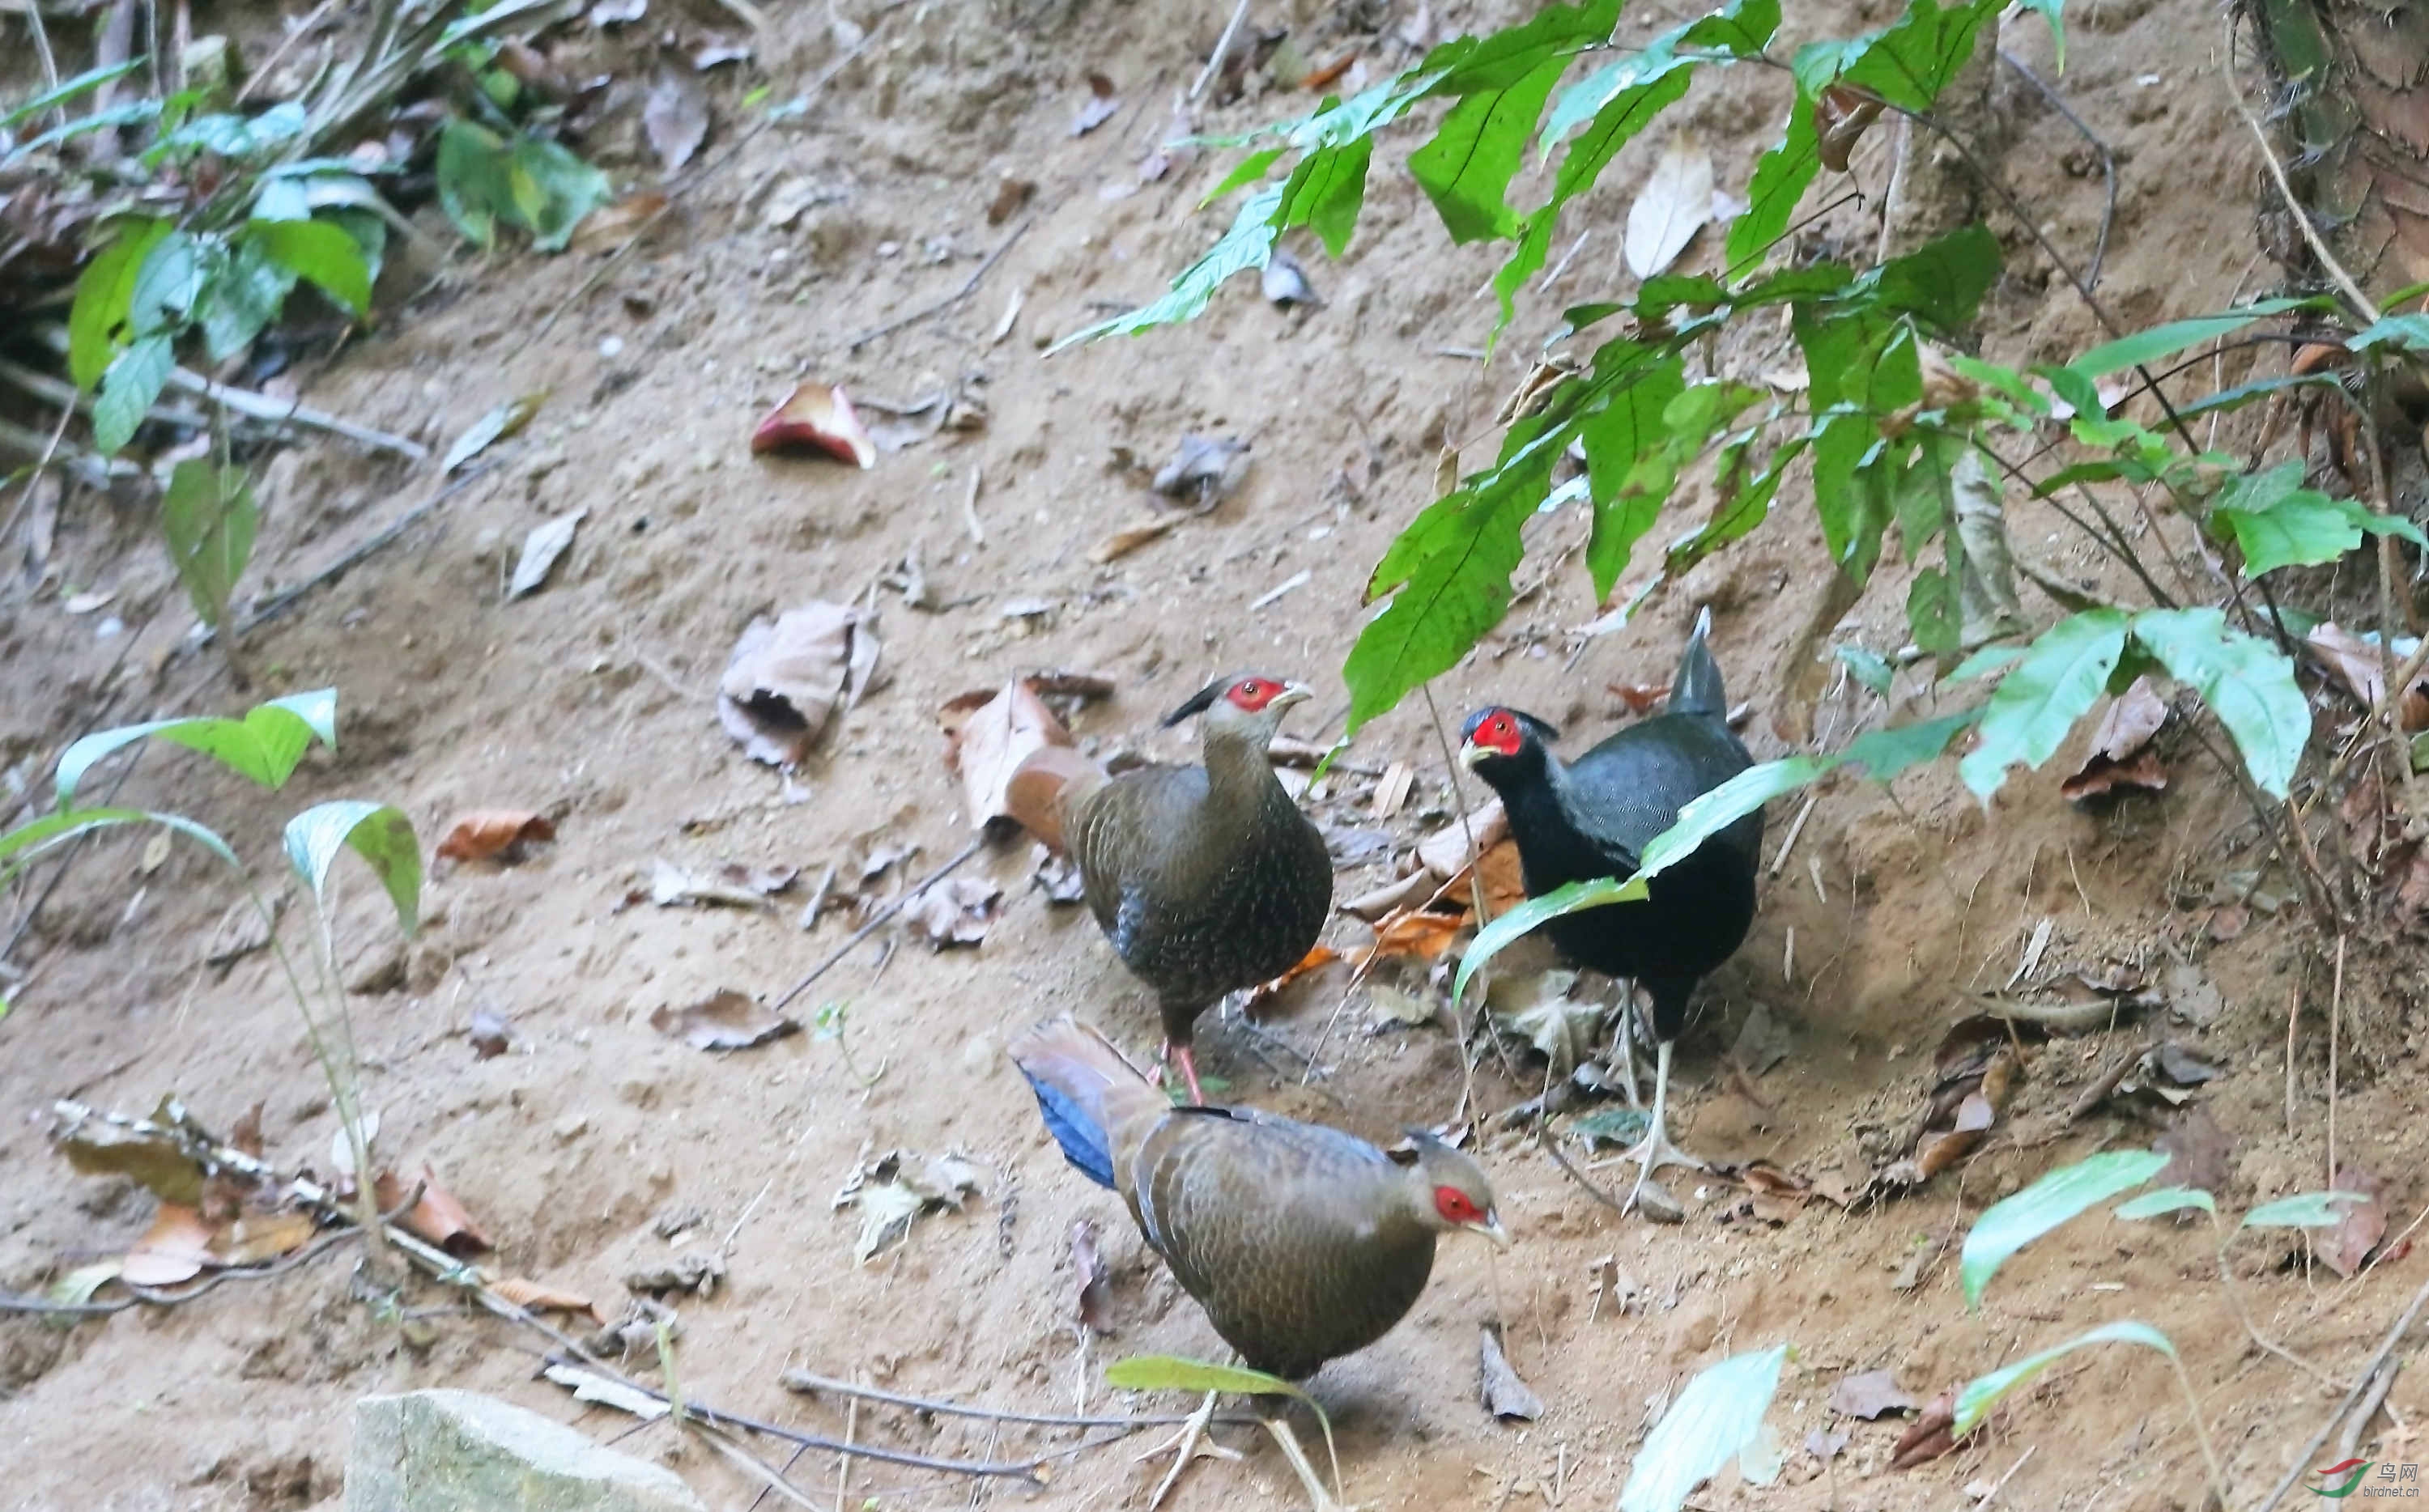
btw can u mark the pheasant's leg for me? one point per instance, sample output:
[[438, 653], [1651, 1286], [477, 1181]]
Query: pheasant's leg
[[1189, 1436], [1180, 1054], [1320, 1499], [1627, 1043], [1657, 1151]]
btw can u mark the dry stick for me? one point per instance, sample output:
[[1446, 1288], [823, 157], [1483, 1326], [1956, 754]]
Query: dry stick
[[2335, 1020], [278, 603], [279, 54], [270, 411], [57, 114], [2293, 1011], [1222, 49], [1475, 888], [806, 1382], [891, 908], [708, 170], [968, 288], [34, 478], [2361, 1384], [2381, 1379]]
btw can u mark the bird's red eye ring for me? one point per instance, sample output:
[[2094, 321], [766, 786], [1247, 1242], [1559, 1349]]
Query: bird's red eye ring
[[1252, 694], [1501, 734], [1456, 1206]]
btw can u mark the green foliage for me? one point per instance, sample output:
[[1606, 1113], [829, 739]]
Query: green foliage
[[69, 90], [1172, 1372], [2053, 684], [2308, 1210], [2013, 1223], [1981, 1394], [209, 516], [264, 747], [2168, 1200], [528, 183], [1717, 1418], [2277, 522], [2246, 683], [378, 832]]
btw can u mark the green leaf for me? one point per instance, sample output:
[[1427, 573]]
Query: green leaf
[[1172, 1372], [1525, 918], [2242, 394], [104, 295], [379, 833], [1324, 193], [1246, 247], [232, 135], [1981, 1394], [2410, 332], [1627, 471], [1985, 662], [319, 252], [2277, 522], [244, 299], [167, 286], [2168, 1200], [567, 189], [264, 747], [1866, 666], [1718, 1417], [209, 517], [2010, 1225], [21, 845], [1710, 813], [1943, 281], [1883, 754], [67, 90], [1781, 178], [128, 389], [2307, 1210], [133, 113], [1457, 592], [2004, 379], [471, 174], [2247, 682], [2060, 676], [1465, 169], [1910, 64], [2162, 341], [1250, 169]]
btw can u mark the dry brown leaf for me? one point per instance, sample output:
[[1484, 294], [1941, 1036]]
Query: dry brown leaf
[[731, 884], [675, 116], [485, 833], [1010, 195], [788, 679], [1415, 932], [2359, 1225], [246, 1133], [1094, 1302], [1840, 113], [817, 417], [1129, 538], [535, 1296], [1013, 757], [253, 1238], [1929, 1436], [1869, 1395], [1445, 852], [957, 911], [1506, 1396], [728, 1020], [175, 1248], [2354, 662], [613, 226], [1674, 204], [1391, 791], [2121, 755], [2200, 1153], [435, 1217], [1317, 955]]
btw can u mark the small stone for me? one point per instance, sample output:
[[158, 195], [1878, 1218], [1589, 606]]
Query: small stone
[[570, 1127], [444, 1451]]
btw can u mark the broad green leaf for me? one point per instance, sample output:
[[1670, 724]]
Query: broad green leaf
[[1525, 918], [1324, 193], [263, 746], [1882, 754], [1911, 62], [209, 516], [1452, 597], [2010, 1223], [281, 199], [1943, 281], [244, 299], [567, 188], [1465, 169], [2078, 391], [1714, 1420], [1244, 248], [2164, 340], [1707, 814], [1985, 662], [36, 837], [2247, 682], [2277, 522], [134, 112], [1250, 169], [1866, 666], [1934, 613], [1172, 1372], [1981, 1394], [67, 90], [1781, 178], [2410, 332], [2003, 379], [470, 170], [2307, 1210], [1626, 469], [2059, 677], [319, 253], [104, 295], [2168, 1200], [381, 835], [1654, 81], [167, 285], [2242, 394], [128, 389]]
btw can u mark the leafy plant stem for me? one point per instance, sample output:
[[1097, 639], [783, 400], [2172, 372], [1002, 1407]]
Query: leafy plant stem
[[340, 1064], [2113, 543], [2200, 1429]]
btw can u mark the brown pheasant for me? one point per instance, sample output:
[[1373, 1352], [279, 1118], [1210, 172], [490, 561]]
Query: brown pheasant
[[1207, 879], [1303, 1243]]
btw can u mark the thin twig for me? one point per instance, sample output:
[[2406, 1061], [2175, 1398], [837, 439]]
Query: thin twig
[[968, 288], [57, 114], [1222, 50], [880, 917], [1552, 1148], [270, 411], [2312, 1450], [2336, 1017], [279, 54], [2109, 179], [285, 598], [808, 1383]]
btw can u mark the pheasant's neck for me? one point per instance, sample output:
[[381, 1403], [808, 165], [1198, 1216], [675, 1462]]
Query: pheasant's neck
[[1238, 771], [1541, 808]]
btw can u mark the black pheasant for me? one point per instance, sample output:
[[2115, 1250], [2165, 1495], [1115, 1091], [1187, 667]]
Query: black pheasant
[[1303, 1243], [1207, 879], [1593, 817]]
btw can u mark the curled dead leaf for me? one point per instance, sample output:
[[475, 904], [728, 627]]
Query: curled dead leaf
[[675, 116], [1093, 1304], [1416, 933], [728, 1020], [96, 1147], [253, 1237], [174, 1249], [1841, 115], [1869, 1395], [435, 1217], [534, 1296], [1930, 1436], [1129, 538], [1015, 758], [1506, 1396], [788, 679], [957, 911], [2359, 1225], [487, 834], [2121, 754], [816, 417], [2354, 662], [1265, 993]]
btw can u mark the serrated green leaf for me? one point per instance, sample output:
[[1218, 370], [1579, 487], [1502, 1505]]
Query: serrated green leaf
[[2164, 340], [104, 295], [2306, 1210], [319, 253], [1466, 167], [1911, 62], [1737, 514], [2167, 1200], [210, 517], [1626, 469], [67, 90], [1456, 593], [2013, 1223], [1981, 1394], [2247, 682], [379, 833], [1244, 248], [264, 747], [129, 387], [1943, 281], [2059, 677], [1717, 1418]]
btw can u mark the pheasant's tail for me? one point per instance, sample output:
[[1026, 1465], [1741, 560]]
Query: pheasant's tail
[[1085, 1090], [1042, 789], [1698, 687]]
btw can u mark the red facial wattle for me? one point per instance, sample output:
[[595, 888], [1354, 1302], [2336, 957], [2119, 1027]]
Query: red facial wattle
[[1500, 732], [1251, 695], [1456, 1206]]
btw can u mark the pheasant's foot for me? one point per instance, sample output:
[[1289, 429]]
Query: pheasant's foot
[[1318, 1498], [1190, 1438], [1182, 1056]]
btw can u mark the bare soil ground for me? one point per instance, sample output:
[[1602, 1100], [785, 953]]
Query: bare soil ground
[[592, 701]]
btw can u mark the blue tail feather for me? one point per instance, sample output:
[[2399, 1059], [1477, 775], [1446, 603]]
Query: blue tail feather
[[1076, 1128]]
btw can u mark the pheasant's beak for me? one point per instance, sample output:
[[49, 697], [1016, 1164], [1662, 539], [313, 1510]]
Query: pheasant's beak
[[1291, 693], [1491, 1229], [1471, 754]]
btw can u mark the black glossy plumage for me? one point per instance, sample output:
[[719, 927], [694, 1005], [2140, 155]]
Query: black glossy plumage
[[1593, 817]]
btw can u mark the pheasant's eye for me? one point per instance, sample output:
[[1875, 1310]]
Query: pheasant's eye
[[1455, 1206], [1251, 693]]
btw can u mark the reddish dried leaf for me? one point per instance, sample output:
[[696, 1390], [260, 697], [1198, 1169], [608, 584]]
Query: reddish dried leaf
[[2121, 756], [2359, 1226], [726, 1021], [1013, 757], [1929, 1436], [1841, 115], [435, 1217], [1267, 992], [957, 911], [817, 417], [487, 832], [258, 1236], [245, 1134], [534, 1296], [1638, 697], [175, 1248], [1416, 932], [2354, 662], [1324, 77]]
